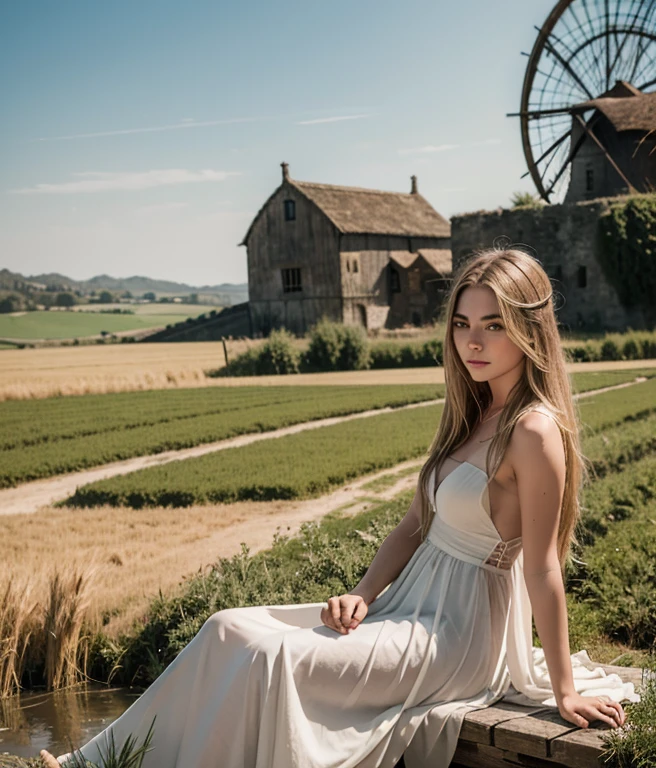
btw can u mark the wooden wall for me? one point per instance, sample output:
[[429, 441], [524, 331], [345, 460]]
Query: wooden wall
[[635, 158], [311, 243], [367, 294]]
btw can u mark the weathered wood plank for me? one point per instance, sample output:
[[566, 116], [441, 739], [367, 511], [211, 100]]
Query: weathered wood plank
[[483, 756], [531, 735], [580, 748], [478, 725]]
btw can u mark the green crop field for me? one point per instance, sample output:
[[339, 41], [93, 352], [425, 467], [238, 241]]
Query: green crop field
[[311, 463], [56, 324], [40, 438]]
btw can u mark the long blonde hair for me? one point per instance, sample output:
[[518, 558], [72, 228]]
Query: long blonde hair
[[525, 298]]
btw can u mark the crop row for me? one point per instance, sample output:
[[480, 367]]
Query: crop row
[[56, 457], [27, 423], [617, 577], [311, 463], [303, 465], [51, 437], [32, 422]]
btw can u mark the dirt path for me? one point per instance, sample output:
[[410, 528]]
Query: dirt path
[[29, 497]]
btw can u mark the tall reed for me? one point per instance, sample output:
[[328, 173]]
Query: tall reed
[[65, 641], [51, 634], [18, 624]]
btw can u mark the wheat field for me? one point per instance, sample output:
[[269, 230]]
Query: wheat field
[[103, 368]]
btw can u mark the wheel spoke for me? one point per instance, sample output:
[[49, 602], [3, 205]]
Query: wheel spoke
[[582, 49]]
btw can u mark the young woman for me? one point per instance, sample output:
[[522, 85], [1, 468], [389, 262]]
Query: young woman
[[441, 622]]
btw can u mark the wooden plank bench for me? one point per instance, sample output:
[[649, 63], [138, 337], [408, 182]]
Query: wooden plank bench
[[509, 736]]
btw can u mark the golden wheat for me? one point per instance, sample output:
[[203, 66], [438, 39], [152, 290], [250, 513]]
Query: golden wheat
[[54, 631], [64, 621], [101, 369], [17, 625]]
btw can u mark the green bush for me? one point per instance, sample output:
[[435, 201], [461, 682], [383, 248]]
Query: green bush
[[391, 354], [633, 345], [609, 351], [278, 355], [337, 347]]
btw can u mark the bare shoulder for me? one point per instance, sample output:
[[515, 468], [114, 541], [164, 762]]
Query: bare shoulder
[[536, 441]]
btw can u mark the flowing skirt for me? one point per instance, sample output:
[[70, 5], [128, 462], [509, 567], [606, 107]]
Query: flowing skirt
[[271, 687]]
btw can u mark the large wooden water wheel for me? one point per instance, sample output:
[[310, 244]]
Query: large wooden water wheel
[[583, 48]]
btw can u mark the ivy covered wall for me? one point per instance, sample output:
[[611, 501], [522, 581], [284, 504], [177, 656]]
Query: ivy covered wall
[[582, 256], [628, 252]]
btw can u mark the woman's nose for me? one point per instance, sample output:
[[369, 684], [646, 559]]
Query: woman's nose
[[474, 343]]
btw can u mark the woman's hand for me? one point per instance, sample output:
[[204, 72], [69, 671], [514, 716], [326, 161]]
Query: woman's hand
[[581, 710], [344, 613]]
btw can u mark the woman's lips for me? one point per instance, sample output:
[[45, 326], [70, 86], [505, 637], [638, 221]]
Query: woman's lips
[[476, 364]]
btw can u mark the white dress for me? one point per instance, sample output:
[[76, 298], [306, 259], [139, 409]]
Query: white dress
[[271, 687]]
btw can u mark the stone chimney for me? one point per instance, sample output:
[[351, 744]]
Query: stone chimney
[[285, 171], [413, 190]]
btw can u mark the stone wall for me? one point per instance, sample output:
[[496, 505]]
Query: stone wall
[[566, 240]]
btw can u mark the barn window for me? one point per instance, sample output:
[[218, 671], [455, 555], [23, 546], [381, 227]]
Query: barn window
[[581, 277], [290, 210], [348, 265], [395, 281], [291, 279], [355, 265], [589, 180]]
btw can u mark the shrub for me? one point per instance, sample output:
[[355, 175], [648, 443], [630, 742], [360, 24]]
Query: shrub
[[630, 350], [334, 346], [278, 355], [609, 351], [413, 355], [354, 354]]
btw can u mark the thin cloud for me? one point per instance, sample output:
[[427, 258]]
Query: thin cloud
[[161, 207], [428, 148], [331, 119], [95, 181], [187, 123]]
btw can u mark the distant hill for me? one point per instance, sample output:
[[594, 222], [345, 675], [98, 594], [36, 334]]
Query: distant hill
[[238, 292]]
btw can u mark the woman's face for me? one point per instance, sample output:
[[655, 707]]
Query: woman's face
[[479, 335]]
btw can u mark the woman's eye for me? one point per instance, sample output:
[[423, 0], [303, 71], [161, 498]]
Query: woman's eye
[[496, 325]]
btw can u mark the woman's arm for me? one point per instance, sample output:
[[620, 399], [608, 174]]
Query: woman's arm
[[393, 554], [537, 456]]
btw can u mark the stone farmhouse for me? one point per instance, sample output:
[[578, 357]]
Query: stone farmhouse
[[358, 256], [615, 147]]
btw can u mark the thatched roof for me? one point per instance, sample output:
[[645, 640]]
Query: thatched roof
[[404, 259], [354, 210], [438, 258], [627, 108]]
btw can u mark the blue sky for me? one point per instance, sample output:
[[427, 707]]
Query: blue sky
[[142, 137]]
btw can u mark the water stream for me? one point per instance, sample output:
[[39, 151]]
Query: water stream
[[54, 721]]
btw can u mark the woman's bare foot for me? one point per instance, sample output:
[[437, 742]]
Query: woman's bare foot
[[48, 760]]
